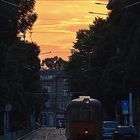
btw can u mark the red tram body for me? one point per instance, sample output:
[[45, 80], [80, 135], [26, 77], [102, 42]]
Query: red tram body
[[84, 119]]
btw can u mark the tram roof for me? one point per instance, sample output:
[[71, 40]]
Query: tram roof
[[81, 101]]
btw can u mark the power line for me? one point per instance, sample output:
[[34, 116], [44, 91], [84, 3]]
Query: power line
[[9, 3], [133, 4]]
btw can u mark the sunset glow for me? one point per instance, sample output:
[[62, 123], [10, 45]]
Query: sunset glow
[[57, 24]]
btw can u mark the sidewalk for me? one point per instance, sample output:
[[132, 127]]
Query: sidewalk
[[36, 134], [15, 136], [26, 135]]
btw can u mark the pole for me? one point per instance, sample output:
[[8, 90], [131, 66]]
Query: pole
[[43, 119], [130, 110]]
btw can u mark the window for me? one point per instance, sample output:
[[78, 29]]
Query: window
[[74, 114], [50, 77], [42, 77], [61, 106], [65, 93], [46, 77], [49, 89], [85, 113], [48, 104], [65, 81]]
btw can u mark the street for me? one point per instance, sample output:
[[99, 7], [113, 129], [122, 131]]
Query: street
[[47, 134]]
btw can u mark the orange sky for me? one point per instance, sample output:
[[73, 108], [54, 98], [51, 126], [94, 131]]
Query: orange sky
[[58, 21]]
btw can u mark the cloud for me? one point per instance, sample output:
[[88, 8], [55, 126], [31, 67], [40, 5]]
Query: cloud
[[58, 21], [102, 1], [56, 50], [54, 12], [76, 28]]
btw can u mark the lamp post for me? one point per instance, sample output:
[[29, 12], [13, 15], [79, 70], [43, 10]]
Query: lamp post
[[130, 109], [100, 3], [97, 13], [45, 53]]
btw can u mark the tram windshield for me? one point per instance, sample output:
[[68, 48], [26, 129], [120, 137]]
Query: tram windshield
[[84, 113]]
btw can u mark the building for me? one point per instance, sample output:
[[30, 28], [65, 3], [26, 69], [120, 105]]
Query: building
[[55, 86]]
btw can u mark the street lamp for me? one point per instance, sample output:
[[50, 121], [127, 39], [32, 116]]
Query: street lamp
[[100, 3], [98, 13], [45, 53]]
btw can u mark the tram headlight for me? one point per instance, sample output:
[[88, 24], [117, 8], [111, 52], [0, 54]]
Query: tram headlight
[[86, 101], [86, 132]]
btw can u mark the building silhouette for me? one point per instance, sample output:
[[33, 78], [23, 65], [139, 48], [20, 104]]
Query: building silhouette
[[55, 86]]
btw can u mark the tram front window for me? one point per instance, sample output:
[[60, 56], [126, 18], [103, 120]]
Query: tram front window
[[85, 113], [82, 114], [74, 114]]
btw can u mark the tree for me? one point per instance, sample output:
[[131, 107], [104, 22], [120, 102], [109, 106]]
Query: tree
[[90, 56], [102, 55], [16, 19], [20, 65], [54, 63], [21, 80], [8, 22], [26, 15]]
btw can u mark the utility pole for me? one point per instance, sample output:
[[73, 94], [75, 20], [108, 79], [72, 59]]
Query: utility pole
[[130, 109]]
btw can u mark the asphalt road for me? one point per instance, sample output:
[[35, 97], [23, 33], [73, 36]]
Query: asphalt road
[[46, 134]]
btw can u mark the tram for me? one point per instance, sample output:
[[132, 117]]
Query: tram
[[84, 119]]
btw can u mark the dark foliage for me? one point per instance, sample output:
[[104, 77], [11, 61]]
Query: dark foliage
[[54, 63], [105, 60], [19, 64]]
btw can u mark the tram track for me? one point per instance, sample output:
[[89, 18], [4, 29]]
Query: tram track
[[62, 133], [55, 134], [49, 132]]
